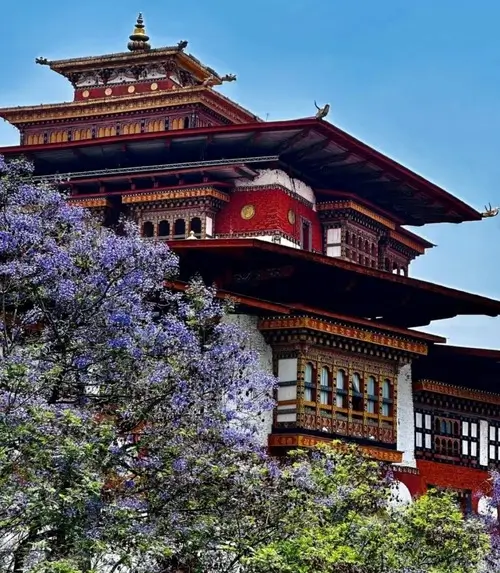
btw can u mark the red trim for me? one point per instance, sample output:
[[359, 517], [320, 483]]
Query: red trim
[[328, 130], [491, 305]]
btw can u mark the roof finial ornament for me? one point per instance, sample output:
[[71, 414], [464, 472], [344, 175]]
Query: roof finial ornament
[[139, 38], [322, 111], [489, 211]]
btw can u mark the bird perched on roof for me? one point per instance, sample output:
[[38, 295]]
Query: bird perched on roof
[[182, 45], [489, 211], [322, 111]]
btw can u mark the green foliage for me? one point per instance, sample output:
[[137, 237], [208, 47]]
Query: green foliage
[[428, 536]]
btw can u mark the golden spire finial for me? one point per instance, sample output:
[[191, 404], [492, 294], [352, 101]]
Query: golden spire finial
[[139, 38]]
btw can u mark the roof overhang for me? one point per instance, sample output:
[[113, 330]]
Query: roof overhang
[[290, 276], [313, 150]]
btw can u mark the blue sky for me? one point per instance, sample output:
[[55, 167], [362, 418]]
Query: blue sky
[[418, 80]]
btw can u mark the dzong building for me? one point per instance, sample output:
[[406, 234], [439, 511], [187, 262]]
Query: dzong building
[[305, 227]]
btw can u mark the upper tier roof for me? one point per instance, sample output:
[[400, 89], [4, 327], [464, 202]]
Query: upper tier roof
[[139, 54], [315, 151]]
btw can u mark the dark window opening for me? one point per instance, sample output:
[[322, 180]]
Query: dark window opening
[[148, 229], [195, 226], [164, 229], [180, 229], [306, 236]]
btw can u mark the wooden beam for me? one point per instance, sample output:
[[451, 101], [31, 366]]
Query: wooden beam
[[292, 141], [338, 158], [310, 150]]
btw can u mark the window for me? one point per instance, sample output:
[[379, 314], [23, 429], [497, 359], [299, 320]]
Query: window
[[465, 428], [308, 382], [423, 429], [418, 440], [148, 229], [180, 229], [325, 392], [164, 229], [357, 395], [186, 123], [341, 390], [386, 398], [195, 226], [334, 242], [371, 390], [494, 443], [465, 448], [305, 239]]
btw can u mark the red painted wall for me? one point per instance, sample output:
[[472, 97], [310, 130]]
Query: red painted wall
[[122, 89], [271, 214], [457, 477], [413, 481]]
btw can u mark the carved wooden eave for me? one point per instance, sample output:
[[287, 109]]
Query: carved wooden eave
[[69, 67], [161, 196], [331, 209], [368, 340], [436, 387], [89, 202], [299, 440], [84, 110]]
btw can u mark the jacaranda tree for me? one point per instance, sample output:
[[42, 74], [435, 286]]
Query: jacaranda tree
[[128, 424]]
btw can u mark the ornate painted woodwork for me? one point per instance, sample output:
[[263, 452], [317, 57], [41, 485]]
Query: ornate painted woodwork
[[284, 441], [359, 234], [337, 379]]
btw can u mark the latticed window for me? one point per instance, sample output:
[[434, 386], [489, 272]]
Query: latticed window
[[371, 390], [357, 392], [326, 390], [308, 382], [386, 397], [341, 389]]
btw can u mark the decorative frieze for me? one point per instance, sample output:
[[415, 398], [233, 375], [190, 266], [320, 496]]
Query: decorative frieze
[[304, 441], [344, 331]]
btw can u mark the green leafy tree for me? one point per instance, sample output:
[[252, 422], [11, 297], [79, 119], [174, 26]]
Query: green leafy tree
[[429, 536]]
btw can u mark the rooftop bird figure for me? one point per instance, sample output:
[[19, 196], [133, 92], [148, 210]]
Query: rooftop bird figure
[[322, 111], [228, 78], [489, 211]]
